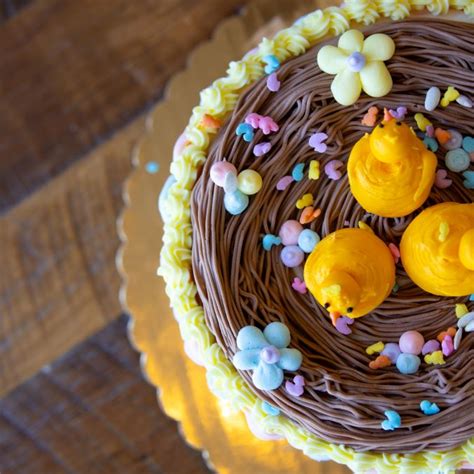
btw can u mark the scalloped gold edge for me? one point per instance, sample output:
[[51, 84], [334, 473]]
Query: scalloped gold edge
[[175, 267]]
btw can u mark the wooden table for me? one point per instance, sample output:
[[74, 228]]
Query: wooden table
[[77, 78]]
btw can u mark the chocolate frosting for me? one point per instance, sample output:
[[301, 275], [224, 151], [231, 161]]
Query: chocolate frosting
[[240, 284]]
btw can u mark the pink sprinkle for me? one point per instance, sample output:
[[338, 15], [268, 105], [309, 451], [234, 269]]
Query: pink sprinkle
[[430, 131], [273, 83], [442, 181], [394, 251], [267, 125], [299, 286], [261, 148], [342, 325], [316, 141], [331, 169], [284, 183], [253, 119], [447, 345]]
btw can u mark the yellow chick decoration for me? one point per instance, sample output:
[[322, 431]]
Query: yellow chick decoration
[[437, 249], [350, 272], [390, 171]]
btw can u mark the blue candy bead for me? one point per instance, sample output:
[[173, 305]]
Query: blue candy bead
[[272, 63], [235, 203], [468, 179], [471, 298], [408, 363], [307, 240], [468, 144]]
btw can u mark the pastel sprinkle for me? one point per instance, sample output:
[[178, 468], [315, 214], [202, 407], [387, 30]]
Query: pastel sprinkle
[[387, 116], [469, 327], [447, 345], [332, 169], [380, 362], [443, 231], [269, 240], [267, 125], [273, 84], [309, 214], [468, 144], [342, 325], [246, 131], [471, 297], [284, 182], [429, 408], [152, 167], [430, 346], [253, 119], [432, 98], [431, 143], [468, 182], [421, 121], [451, 331], [295, 388], [370, 118], [270, 409], [272, 63], [442, 181], [392, 422], [457, 339], [457, 160], [435, 358], [375, 348], [306, 200], [443, 136], [297, 172], [466, 319], [210, 122], [460, 309], [464, 101], [262, 148], [394, 251], [314, 171], [449, 96], [430, 131], [299, 286], [316, 141], [398, 114]]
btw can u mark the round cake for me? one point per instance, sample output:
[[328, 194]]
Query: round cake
[[318, 244]]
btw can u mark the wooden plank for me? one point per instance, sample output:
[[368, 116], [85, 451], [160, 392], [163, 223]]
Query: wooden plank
[[72, 72], [92, 412], [58, 282]]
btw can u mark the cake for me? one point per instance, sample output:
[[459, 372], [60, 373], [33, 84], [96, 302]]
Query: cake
[[319, 236]]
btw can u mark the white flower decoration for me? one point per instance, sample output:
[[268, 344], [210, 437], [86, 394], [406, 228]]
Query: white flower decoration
[[358, 65]]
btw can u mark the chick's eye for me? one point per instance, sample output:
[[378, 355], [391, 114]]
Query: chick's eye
[[350, 309], [381, 125], [326, 305], [399, 123]]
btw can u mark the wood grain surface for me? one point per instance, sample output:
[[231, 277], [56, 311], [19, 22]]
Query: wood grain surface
[[75, 76], [92, 412]]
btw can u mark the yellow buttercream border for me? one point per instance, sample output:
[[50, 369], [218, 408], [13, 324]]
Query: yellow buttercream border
[[175, 266]]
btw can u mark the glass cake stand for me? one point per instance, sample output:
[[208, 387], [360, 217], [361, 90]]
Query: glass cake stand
[[216, 429]]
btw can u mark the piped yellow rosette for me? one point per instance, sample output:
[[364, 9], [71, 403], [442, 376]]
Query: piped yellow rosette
[[437, 249], [350, 272], [390, 171]]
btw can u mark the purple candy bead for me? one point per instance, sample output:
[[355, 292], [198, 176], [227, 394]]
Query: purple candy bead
[[270, 354], [392, 351], [430, 346], [292, 256], [411, 342]]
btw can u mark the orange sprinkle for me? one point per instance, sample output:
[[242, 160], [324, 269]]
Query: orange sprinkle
[[442, 136], [386, 115], [208, 121], [309, 214], [451, 332], [380, 362], [370, 117]]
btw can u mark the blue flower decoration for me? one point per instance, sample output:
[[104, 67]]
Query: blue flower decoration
[[267, 354]]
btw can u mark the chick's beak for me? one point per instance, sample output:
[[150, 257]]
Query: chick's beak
[[334, 315]]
